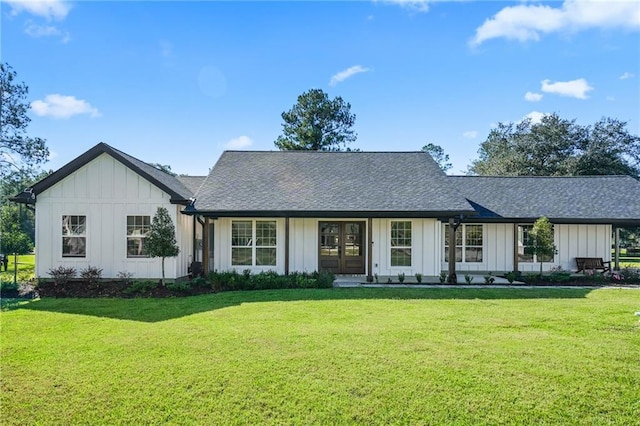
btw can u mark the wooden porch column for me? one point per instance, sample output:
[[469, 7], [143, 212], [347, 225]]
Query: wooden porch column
[[515, 247], [205, 246], [453, 278], [617, 250], [370, 250], [286, 245]]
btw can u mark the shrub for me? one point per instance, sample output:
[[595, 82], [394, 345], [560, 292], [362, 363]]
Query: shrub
[[91, 274], [179, 286], [8, 286], [199, 282], [489, 279], [140, 287], [401, 277], [511, 276], [594, 277], [559, 275], [375, 276], [468, 278], [443, 277], [125, 276], [326, 279], [62, 274], [419, 277], [630, 276]]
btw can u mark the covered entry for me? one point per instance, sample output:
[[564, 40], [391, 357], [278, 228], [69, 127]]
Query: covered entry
[[341, 247]]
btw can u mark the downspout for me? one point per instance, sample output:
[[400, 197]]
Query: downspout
[[453, 227]]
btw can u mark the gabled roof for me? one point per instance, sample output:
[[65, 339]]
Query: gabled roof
[[178, 192], [325, 184], [586, 199]]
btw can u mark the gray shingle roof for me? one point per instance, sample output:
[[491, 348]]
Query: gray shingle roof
[[582, 198], [322, 182], [192, 183], [178, 192]]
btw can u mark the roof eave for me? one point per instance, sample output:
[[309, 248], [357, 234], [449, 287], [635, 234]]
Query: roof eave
[[436, 214]]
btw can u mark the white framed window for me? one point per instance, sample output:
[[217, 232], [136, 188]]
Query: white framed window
[[525, 241], [137, 230], [74, 236], [469, 243], [400, 243], [253, 243]]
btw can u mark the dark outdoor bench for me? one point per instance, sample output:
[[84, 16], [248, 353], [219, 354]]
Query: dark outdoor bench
[[592, 264]]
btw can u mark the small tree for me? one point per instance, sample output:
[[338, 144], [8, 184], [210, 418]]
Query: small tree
[[543, 246], [161, 239]]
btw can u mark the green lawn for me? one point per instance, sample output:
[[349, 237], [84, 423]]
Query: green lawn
[[26, 268], [336, 356]]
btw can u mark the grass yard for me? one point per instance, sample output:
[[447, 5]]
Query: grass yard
[[336, 356], [26, 268]]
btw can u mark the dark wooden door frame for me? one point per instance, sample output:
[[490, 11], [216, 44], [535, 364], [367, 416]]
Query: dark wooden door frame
[[343, 264]]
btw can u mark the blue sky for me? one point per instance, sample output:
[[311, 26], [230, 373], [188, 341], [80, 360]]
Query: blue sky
[[178, 82]]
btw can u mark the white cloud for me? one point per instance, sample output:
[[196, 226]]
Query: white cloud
[[525, 22], [418, 5], [35, 30], [574, 88], [239, 143], [470, 134], [345, 74], [533, 97], [59, 106], [627, 75], [49, 9], [535, 116]]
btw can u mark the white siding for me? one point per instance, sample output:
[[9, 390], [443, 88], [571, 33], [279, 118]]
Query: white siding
[[497, 250], [303, 246], [425, 255], [573, 241], [106, 192]]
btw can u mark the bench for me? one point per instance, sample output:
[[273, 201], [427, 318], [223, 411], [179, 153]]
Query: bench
[[592, 263]]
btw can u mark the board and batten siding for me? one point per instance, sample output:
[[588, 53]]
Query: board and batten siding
[[106, 192], [571, 241], [303, 245], [497, 249]]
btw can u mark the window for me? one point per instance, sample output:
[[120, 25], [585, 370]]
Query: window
[[400, 243], [253, 243], [74, 236], [137, 229], [469, 242], [525, 241]]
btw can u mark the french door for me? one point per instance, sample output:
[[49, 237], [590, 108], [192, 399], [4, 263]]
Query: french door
[[341, 247]]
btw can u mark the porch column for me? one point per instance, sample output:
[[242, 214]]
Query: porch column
[[617, 250], [515, 247], [369, 249], [205, 246], [286, 245], [453, 278]]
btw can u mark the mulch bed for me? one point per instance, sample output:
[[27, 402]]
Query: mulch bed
[[82, 289]]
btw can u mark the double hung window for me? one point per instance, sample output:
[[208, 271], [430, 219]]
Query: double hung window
[[469, 243], [74, 236], [253, 242]]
